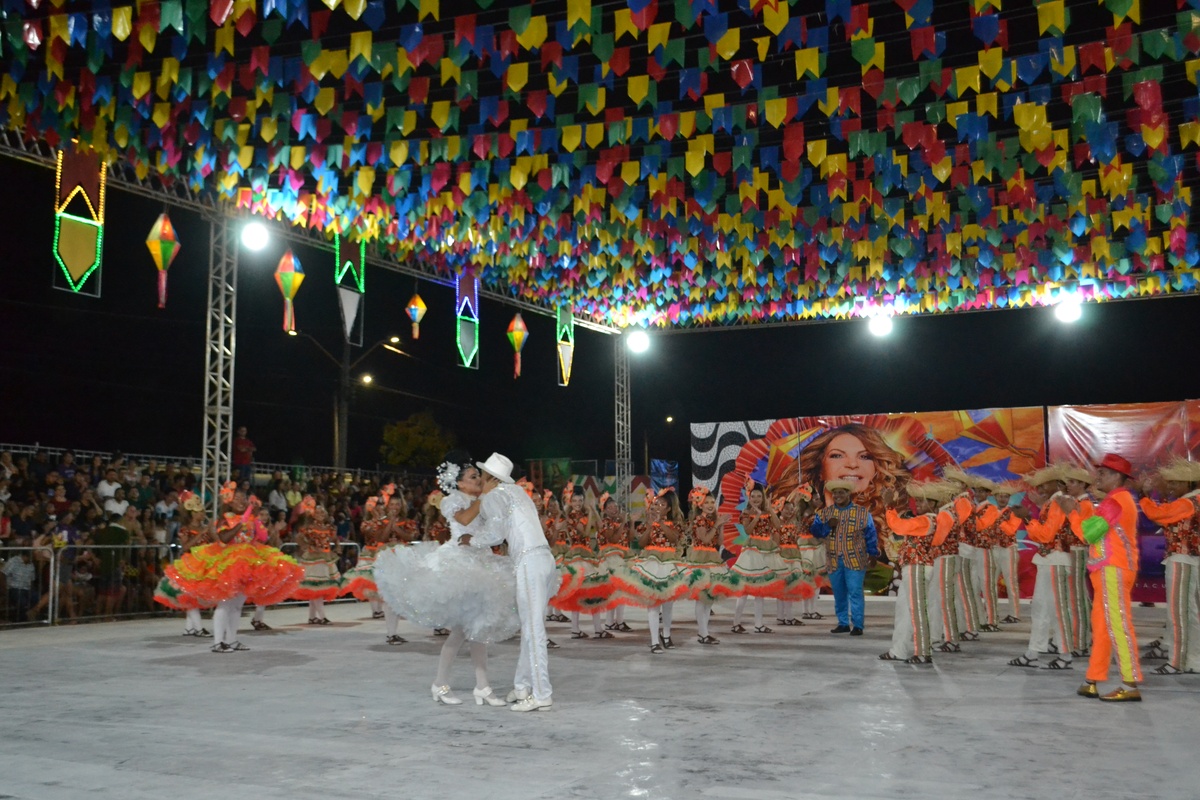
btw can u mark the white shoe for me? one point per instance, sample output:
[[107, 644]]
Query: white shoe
[[516, 695], [531, 703], [441, 694], [485, 695]]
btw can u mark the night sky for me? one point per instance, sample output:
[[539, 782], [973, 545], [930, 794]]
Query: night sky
[[118, 373]]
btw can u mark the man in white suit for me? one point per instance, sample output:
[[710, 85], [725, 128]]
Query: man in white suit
[[509, 515]]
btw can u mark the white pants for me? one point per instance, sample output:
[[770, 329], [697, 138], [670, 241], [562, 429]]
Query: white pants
[[575, 622], [808, 605], [616, 616], [193, 621], [740, 608], [1050, 609], [392, 620], [785, 612], [910, 629], [943, 606], [259, 613], [537, 581], [703, 611], [1182, 641], [966, 597], [654, 615], [226, 618], [1005, 564], [1081, 602]]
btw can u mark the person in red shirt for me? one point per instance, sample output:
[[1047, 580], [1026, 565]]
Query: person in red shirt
[[242, 457], [1111, 534]]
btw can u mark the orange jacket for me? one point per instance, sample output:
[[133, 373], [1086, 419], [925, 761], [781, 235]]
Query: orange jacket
[[1112, 532]]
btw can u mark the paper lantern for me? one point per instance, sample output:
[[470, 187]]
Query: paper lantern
[[565, 326], [416, 312], [163, 244], [288, 276], [466, 305], [517, 334]]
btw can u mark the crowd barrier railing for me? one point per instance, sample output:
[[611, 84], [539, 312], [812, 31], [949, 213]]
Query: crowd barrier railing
[[20, 605]]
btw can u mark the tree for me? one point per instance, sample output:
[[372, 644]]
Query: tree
[[416, 442]]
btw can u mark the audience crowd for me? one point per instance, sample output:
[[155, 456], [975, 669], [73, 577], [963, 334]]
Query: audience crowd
[[113, 521]]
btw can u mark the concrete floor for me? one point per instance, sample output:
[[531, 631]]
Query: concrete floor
[[133, 710]]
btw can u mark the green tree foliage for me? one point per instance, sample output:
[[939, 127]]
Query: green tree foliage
[[417, 442]]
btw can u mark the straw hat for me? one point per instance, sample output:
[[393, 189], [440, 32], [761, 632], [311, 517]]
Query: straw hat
[[1044, 475], [1179, 469], [1074, 472], [1007, 487], [938, 491]]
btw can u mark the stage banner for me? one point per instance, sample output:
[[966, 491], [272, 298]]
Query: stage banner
[[880, 452], [1149, 435]]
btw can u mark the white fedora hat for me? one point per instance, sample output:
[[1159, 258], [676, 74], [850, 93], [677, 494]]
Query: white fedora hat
[[497, 466]]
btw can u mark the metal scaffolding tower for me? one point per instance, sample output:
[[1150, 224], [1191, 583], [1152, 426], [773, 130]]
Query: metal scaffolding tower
[[624, 432], [219, 358]]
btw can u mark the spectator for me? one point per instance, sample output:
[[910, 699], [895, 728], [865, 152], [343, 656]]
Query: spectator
[[60, 501], [278, 498], [116, 505], [293, 496], [109, 486], [111, 554], [146, 493], [19, 573], [67, 466], [5, 494], [7, 468], [243, 457], [24, 526], [39, 467], [63, 537], [78, 485]]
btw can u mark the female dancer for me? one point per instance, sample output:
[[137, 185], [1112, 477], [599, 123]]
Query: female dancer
[[194, 531], [711, 577], [322, 581], [434, 526], [791, 516], [654, 576], [272, 534], [360, 580], [468, 589], [759, 567], [581, 562], [612, 534], [554, 525], [234, 568]]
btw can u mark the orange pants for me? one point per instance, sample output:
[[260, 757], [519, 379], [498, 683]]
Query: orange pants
[[1112, 626]]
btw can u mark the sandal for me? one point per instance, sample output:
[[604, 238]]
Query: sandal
[[989, 628], [623, 628], [204, 632], [1084, 653], [322, 621], [1010, 619], [1167, 669], [441, 632], [191, 632], [221, 647], [238, 647], [1155, 653], [737, 629], [949, 647], [667, 643], [970, 636], [763, 629], [603, 635], [1052, 649], [1059, 663], [377, 615], [816, 615], [579, 635], [259, 626], [396, 640], [1024, 661], [889, 657], [794, 622], [919, 660], [1155, 643], [551, 644], [657, 649], [708, 640], [314, 621]]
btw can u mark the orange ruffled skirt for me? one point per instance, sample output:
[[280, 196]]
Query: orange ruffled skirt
[[217, 572]]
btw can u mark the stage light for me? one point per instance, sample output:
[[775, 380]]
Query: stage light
[[255, 235], [1069, 309], [367, 379], [638, 341], [292, 333], [394, 340], [881, 325], [670, 419]]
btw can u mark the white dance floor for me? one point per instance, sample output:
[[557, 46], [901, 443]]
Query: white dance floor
[[135, 711]]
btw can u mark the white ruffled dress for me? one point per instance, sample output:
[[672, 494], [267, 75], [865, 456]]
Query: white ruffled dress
[[449, 585]]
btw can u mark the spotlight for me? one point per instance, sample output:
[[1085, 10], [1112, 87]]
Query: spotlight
[[880, 326], [638, 342], [394, 340], [1069, 309], [292, 333], [255, 235], [367, 379], [670, 419]]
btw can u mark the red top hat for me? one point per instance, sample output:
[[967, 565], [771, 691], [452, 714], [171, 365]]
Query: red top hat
[[1117, 464]]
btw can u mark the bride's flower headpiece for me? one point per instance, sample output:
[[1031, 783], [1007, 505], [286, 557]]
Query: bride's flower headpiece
[[447, 476]]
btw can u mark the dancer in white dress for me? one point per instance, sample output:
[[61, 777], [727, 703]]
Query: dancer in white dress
[[454, 585]]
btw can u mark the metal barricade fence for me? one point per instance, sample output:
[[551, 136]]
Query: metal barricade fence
[[28, 575], [109, 581], [347, 557]]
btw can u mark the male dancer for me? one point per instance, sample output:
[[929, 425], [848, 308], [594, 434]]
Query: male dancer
[[1077, 481], [510, 515]]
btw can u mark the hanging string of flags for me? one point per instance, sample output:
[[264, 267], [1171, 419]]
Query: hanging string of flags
[[654, 163]]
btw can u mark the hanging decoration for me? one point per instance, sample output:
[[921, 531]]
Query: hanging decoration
[[79, 213], [466, 308], [350, 258], [517, 334], [648, 163], [163, 244], [416, 312], [288, 276], [565, 327]]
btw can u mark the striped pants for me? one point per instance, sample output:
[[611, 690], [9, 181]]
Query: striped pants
[[1005, 564], [1182, 641], [1051, 609], [1081, 602], [968, 577], [1112, 626], [910, 630], [943, 599]]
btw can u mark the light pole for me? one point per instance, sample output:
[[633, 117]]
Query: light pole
[[341, 397]]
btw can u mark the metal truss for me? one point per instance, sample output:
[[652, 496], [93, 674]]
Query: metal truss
[[624, 436], [215, 459]]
